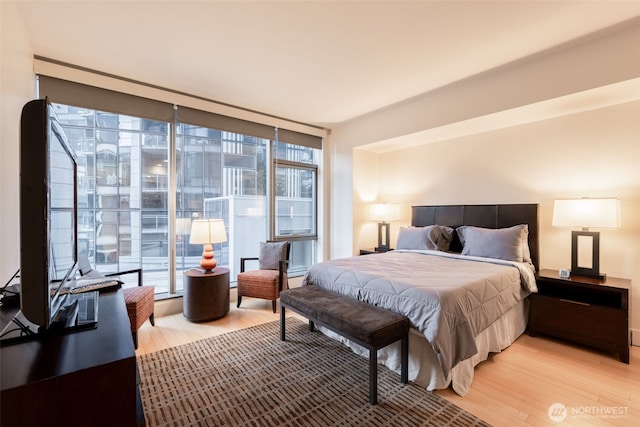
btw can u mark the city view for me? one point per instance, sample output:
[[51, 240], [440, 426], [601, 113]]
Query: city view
[[125, 173]]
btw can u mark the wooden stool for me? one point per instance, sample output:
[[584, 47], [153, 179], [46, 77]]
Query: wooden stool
[[139, 301]]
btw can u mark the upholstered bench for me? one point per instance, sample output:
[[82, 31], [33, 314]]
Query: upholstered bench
[[367, 325], [140, 302]]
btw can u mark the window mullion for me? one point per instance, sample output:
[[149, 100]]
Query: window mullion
[[172, 200]]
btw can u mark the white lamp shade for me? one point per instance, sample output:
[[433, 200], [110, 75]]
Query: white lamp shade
[[384, 212], [586, 213], [204, 231]]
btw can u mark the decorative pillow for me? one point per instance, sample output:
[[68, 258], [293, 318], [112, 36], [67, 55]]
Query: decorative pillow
[[501, 243], [271, 253], [420, 238], [526, 252], [445, 238]]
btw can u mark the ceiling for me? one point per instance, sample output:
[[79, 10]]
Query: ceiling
[[322, 62]]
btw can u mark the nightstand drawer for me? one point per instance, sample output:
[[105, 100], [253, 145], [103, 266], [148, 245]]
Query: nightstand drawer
[[577, 321]]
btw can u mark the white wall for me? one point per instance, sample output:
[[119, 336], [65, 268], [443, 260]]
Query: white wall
[[16, 88], [579, 76], [585, 149], [591, 154]]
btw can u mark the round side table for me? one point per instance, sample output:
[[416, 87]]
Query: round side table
[[206, 295]]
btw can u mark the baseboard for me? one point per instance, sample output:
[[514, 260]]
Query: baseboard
[[167, 307], [635, 337]]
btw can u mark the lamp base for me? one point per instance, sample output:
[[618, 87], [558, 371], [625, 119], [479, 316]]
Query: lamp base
[[208, 262], [582, 273], [577, 269]]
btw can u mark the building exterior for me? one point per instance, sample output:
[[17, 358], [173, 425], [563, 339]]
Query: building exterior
[[125, 176]]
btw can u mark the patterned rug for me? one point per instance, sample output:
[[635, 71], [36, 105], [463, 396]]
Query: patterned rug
[[251, 378]]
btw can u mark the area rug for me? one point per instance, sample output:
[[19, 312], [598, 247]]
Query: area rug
[[251, 378]]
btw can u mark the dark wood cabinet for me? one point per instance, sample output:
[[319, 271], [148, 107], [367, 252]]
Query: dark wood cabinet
[[76, 379], [582, 310]]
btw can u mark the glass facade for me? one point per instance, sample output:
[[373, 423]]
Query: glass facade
[[124, 202]]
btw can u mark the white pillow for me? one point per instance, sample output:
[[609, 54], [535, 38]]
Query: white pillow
[[418, 238]]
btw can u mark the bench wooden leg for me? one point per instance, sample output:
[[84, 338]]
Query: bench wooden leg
[[282, 323], [404, 370], [373, 376]]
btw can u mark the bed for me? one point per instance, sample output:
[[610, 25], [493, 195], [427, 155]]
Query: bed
[[460, 273]]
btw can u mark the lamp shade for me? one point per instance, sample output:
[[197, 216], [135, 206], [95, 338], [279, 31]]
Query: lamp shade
[[384, 212], [586, 213], [204, 231]]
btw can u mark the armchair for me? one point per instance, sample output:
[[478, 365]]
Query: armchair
[[270, 278], [139, 299]]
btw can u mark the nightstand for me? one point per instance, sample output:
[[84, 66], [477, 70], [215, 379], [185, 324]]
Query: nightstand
[[582, 310], [373, 251]]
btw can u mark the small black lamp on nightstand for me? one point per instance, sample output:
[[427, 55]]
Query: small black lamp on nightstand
[[384, 213], [586, 213]]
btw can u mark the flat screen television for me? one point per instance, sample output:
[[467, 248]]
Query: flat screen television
[[48, 214]]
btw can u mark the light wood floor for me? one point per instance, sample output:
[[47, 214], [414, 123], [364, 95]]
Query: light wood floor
[[515, 387]]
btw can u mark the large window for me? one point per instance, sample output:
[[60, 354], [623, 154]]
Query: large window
[[220, 175], [261, 187]]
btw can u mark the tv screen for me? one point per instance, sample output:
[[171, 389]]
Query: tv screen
[[48, 212]]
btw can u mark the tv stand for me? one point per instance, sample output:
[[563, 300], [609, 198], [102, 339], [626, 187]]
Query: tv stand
[[84, 378]]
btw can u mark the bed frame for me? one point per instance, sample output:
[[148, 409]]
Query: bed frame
[[488, 216]]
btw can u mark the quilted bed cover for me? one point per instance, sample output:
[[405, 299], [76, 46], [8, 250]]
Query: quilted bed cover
[[449, 298]]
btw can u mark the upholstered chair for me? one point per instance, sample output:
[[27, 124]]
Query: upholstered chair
[[271, 276], [139, 300]]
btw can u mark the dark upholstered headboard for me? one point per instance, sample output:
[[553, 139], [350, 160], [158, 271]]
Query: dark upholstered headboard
[[488, 216]]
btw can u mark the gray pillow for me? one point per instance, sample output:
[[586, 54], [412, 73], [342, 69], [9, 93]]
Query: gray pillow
[[445, 238], [502, 243], [271, 253], [418, 238]]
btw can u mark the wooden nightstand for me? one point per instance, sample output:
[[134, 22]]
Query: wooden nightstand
[[583, 310]]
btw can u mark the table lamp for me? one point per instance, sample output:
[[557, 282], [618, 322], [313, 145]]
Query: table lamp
[[384, 213], [206, 232], [586, 213]]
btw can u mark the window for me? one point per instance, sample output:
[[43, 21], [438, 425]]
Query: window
[[148, 162], [220, 175]]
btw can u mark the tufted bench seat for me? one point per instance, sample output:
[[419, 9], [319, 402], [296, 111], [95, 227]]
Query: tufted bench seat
[[367, 325]]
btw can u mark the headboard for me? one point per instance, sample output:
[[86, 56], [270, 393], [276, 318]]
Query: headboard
[[488, 216]]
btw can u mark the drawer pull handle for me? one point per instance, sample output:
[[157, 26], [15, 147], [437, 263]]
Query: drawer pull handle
[[575, 302]]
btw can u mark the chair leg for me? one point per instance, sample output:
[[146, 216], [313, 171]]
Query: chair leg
[[273, 305], [135, 339], [239, 301], [152, 319]]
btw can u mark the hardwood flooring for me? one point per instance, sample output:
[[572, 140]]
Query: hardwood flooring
[[512, 388]]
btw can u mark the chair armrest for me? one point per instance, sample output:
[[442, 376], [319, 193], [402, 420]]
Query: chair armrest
[[283, 265], [242, 260], [122, 273], [282, 268]]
